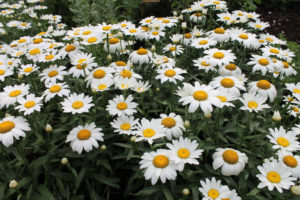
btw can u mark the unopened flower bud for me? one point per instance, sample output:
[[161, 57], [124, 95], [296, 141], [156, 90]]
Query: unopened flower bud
[[48, 128], [175, 13], [187, 124], [103, 147], [276, 116], [39, 24], [185, 191], [20, 76], [181, 17], [183, 25], [13, 184], [207, 114], [109, 58], [153, 49], [295, 190], [133, 138], [7, 114], [157, 89], [64, 161], [204, 11], [94, 91]]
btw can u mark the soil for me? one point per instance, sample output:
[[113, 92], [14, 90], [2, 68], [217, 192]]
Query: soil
[[286, 21]]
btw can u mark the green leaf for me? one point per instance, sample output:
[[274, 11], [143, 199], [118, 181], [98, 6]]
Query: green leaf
[[195, 192], [253, 192], [80, 177], [45, 192], [148, 191], [112, 182], [167, 193]]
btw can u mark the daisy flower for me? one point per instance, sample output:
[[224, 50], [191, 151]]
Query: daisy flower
[[283, 140], [5, 72], [12, 127], [99, 73], [248, 40], [124, 83], [225, 98], [155, 34], [150, 130], [196, 17], [85, 137], [272, 51], [53, 89], [121, 106], [264, 88], [141, 86], [219, 57], [184, 151], [294, 110], [173, 49], [204, 64], [127, 73], [274, 175], [228, 84], [227, 18], [114, 45], [10, 94], [170, 74], [29, 104], [253, 102], [261, 63], [141, 56], [102, 84], [286, 69], [259, 25], [77, 103], [203, 96], [294, 88], [213, 190], [231, 161], [173, 125], [203, 43], [28, 69], [53, 73], [219, 34], [290, 161], [229, 70], [125, 125], [158, 165]]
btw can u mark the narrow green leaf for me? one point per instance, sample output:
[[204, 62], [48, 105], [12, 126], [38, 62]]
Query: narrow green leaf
[[45, 192], [167, 193], [107, 181], [80, 177]]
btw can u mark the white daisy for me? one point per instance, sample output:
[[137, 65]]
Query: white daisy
[[141, 56], [53, 89], [173, 124], [229, 70], [228, 84], [85, 137], [170, 74], [204, 63], [213, 190], [53, 73], [10, 94], [264, 88], [77, 103], [219, 57], [29, 104], [290, 161], [150, 130], [125, 125], [253, 102], [261, 63], [121, 106], [173, 49]]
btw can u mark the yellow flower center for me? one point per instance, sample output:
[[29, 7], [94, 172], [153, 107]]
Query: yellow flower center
[[84, 134], [261, 41], [86, 32], [142, 51], [258, 26], [161, 161], [273, 177], [15, 93], [216, 2], [6, 126], [275, 51], [2, 71], [170, 73], [187, 35], [295, 109], [42, 33], [122, 106], [218, 55], [263, 84], [198, 14], [126, 73], [155, 33], [77, 104], [99, 74], [252, 104], [21, 40], [205, 64], [37, 41], [286, 65], [52, 73], [114, 41], [54, 88], [219, 31], [227, 82], [263, 61], [106, 28], [70, 48], [231, 67], [250, 16], [200, 95], [183, 153], [49, 57], [92, 40], [243, 36], [120, 63], [148, 20], [79, 66], [34, 52], [269, 39], [132, 30], [230, 156], [172, 49], [102, 87], [227, 18], [290, 161], [296, 91], [125, 126], [222, 98], [29, 104], [148, 132], [283, 142], [203, 42], [213, 193], [166, 21], [168, 122]]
